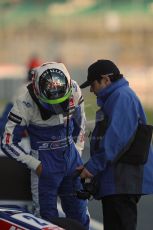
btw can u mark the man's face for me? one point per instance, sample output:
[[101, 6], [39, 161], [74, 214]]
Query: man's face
[[99, 85]]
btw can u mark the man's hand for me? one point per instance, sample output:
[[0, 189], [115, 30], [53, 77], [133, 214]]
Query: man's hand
[[39, 170], [84, 172]]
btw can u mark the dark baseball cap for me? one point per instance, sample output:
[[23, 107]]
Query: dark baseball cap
[[98, 69]]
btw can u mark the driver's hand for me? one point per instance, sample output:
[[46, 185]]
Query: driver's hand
[[84, 173], [39, 169]]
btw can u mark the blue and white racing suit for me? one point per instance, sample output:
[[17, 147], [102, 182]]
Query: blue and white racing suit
[[56, 138]]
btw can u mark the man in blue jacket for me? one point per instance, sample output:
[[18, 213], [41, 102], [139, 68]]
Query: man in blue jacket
[[121, 181]]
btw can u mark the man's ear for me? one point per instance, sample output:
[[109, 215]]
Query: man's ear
[[107, 80]]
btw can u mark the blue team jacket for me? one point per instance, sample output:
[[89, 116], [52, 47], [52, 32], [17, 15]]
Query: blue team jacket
[[122, 108]]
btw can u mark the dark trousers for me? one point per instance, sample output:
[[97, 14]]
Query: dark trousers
[[120, 212]]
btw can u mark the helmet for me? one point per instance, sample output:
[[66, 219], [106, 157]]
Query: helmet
[[51, 83]]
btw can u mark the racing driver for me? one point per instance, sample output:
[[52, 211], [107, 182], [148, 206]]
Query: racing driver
[[52, 112]]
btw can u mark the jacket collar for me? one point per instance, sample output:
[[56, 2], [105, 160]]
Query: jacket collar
[[103, 94]]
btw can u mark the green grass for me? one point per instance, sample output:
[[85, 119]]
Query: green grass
[[90, 106], [149, 114]]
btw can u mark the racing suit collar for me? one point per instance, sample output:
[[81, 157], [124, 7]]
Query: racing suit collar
[[103, 94]]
